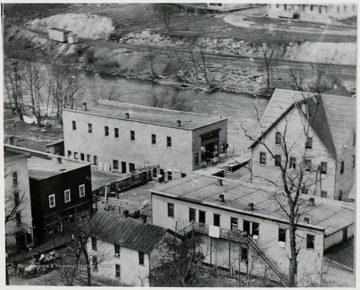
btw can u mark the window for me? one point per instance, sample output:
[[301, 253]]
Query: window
[[244, 254], [51, 200], [304, 190], [196, 159], [123, 167], [277, 5], [153, 139], [82, 190], [282, 235], [344, 8], [95, 263], [308, 143], [67, 196], [69, 153], [82, 156], [16, 198], [106, 130], [310, 241], [18, 218], [117, 251], [115, 164], [116, 132], [183, 175], [89, 128], [216, 220], [292, 163], [168, 141], [88, 158], [303, 7], [278, 160], [15, 178], [94, 244], [323, 167], [262, 158], [308, 165], [353, 161], [342, 165], [255, 229], [192, 215], [319, 9], [75, 155], [323, 193], [155, 172], [285, 6], [132, 135], [117, 271], [311, 7], [169, 175], [74, 125], [141, 258], [251, 228], [170, 209], [338, 9], [131, 167], [234, 224], [202, 217], [278, 138]]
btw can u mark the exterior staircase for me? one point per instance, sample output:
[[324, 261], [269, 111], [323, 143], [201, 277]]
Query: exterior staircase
[[226, 170], [283, 279]]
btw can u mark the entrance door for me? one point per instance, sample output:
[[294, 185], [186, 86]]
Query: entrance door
[[123, 167]]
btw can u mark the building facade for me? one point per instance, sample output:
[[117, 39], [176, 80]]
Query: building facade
[[246, 218], [58, 34], [124, 137]]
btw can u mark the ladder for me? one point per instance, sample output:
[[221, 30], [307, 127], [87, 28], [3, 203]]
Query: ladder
[[283, 279]]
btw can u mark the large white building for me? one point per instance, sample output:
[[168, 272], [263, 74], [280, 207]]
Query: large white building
[[122, 137], [242, 226]]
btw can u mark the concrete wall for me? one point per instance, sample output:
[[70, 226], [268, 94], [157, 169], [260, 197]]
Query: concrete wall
[[295, 138], [338, 237], [23, 187], [309, 260]]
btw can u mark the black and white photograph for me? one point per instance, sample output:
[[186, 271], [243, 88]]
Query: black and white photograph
[[179, 144]]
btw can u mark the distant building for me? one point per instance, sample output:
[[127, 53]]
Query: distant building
[[315, 13], [58, 34], [242, 226], [330, 160], [73, 38], [124, 137], [60, 189], [56, 148], [18, 228], [229, 6], [124, 249]]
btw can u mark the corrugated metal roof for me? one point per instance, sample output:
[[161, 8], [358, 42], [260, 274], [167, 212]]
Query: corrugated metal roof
[[328, 214], [128, 233]]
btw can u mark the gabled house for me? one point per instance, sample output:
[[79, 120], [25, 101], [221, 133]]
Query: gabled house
[[329, 143], [124, 249]]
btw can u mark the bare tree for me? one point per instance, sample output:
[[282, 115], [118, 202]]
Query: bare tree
[[168, 100], [165, 11]]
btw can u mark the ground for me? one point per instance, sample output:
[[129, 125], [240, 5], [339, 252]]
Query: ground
[[342, 253]]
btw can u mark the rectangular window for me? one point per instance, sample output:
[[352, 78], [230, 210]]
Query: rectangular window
[[202, 217], [95, 263], [69, 154], [168, 141], [170, 209], [51, 200], [255, 229], [192, 215], [89, 128], [310, 241], [251, 228], [282, 235], [82, 156], [106, 128], [115, 164], [75, 155], [308, 165], [123, 167], [353, 161], [303, 7], [117, 250], [95, 160], [88, 158], [116, 132], [246, 227], [234, 224], [16, 198], [324, 193], [132, 135], [216, 220], [323, 167], [169, 175], [311, 7], [117, 271], [155, 172], [278, 138], [262, 158], [74, 125], [308, 143], [183, 175], [131, 167], [18, 218], [15, 178], [153, 139], [141, 258], [285, 6], [292, 163], [67, 196], [244, 254], [278, 160], [196, 159], [94, 244], [342, 165], [82, 190]]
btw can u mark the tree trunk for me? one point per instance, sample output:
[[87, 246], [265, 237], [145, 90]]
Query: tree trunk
[[88, 269], [293, 252]]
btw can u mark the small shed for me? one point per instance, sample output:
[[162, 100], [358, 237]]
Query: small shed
[[58, 34], [73, 38]]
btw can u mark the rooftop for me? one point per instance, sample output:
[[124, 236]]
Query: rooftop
[[328, 215], [59, 29], [11, 155], [127, 232], [146, 114], [101, 178]]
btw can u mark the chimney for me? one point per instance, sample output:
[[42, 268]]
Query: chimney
[[84, 106], [59, 160], [222, 197], [127, 115], [307, 220], [220, 182], [178, 123], [312, 201], [251, 205], [10, 140]]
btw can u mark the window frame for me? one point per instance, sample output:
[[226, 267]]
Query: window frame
[[82, 192], [82, 156], [141, 258], [309, 143], [342, 167], [117, 271], [106, 131], [76, 155], [323, 167], [170, 210], [115, 164], [51, 197], [234, 221], [65, 192], [116, 132], [169, 175], [88, 157], [216, 220], [192, 214], [262, 158], [153, 139], [277, 160], [202, 212], [90, 128], [73, 125], [196, 158], [132, 135], [15, 178], [310, 242], [168, 141], [292, 163], [277, 138], [282, 235], [18, 218], [69, 153], [244, 254], [154, 173], [117, 253], [308, 165]]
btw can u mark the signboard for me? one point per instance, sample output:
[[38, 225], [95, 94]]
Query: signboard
[[214, 231]]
